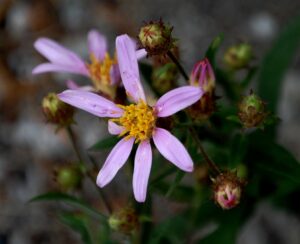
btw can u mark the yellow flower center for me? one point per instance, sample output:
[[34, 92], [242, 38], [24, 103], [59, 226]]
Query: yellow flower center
[[100, 72], [138, 121]]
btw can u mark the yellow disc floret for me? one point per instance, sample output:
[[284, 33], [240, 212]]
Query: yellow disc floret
[[100, 72], [138, 121]]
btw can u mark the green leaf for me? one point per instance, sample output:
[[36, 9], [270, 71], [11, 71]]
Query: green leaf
[[274, 163], [213, 48], [276, 62], [105, 143], [57, 196], [77, 223]]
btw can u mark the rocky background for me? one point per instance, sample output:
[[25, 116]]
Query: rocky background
[[29, 148]]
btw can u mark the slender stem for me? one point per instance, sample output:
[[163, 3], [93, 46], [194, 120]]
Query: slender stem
[[86, 172], [74, 143], [210, 163], [181, 69], [192, 129]]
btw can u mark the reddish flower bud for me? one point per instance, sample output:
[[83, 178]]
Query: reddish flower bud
[[56, 111], [227, 190], [156, 38], [252, 111]]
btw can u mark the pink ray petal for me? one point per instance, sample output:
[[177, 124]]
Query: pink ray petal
[[141, 53], [129, 68], [91, 103], [142, 167], [177, 99], [114, 129], [172, 149], [50, 67], [115, 160], [115, 76], [97, 44], [57, 54], [74, 86]]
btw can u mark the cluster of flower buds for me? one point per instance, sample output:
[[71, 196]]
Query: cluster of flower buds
[[203, 76], [238, 56], [156, 38], [227, 189], [56, 111], [252, 111], [125, 220]]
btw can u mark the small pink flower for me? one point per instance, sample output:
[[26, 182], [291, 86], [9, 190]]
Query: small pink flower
[[102, 69], [137, 122], [203, 75]]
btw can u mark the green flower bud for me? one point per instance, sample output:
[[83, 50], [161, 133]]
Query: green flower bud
[[125, 220], [68, 177], [238, 56], [252, 111], [156, 38], [56, 111]]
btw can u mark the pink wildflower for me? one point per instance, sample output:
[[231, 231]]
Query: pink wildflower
[[102, 69], [137, 122]]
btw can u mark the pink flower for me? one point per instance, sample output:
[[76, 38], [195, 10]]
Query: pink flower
[[203, 75], [102, 69], [137, 122]]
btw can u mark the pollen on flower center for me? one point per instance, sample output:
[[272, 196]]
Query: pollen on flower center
[[100, 70], [138, 121]]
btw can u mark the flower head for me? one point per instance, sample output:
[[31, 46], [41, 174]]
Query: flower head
[[252, 111], [227, 190], [238, 56], [203, 76], [156, 38], [56, 111], [102, 69], [137, 122]]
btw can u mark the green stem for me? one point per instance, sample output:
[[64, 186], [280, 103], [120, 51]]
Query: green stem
[[86, 172], [210, 163], [180, 68], [74, 143]]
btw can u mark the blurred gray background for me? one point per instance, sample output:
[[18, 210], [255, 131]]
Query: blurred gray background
[[29, 149]]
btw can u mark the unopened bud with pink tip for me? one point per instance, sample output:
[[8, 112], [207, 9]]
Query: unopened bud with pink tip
[[227, 190], [203, 76]]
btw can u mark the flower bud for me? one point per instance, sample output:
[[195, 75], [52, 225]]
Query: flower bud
[[156, 38], [227, 190], [252, 111], [125, 220], [204, 77], [238, 56], [56, 111], [164, 77], [68, 177]]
